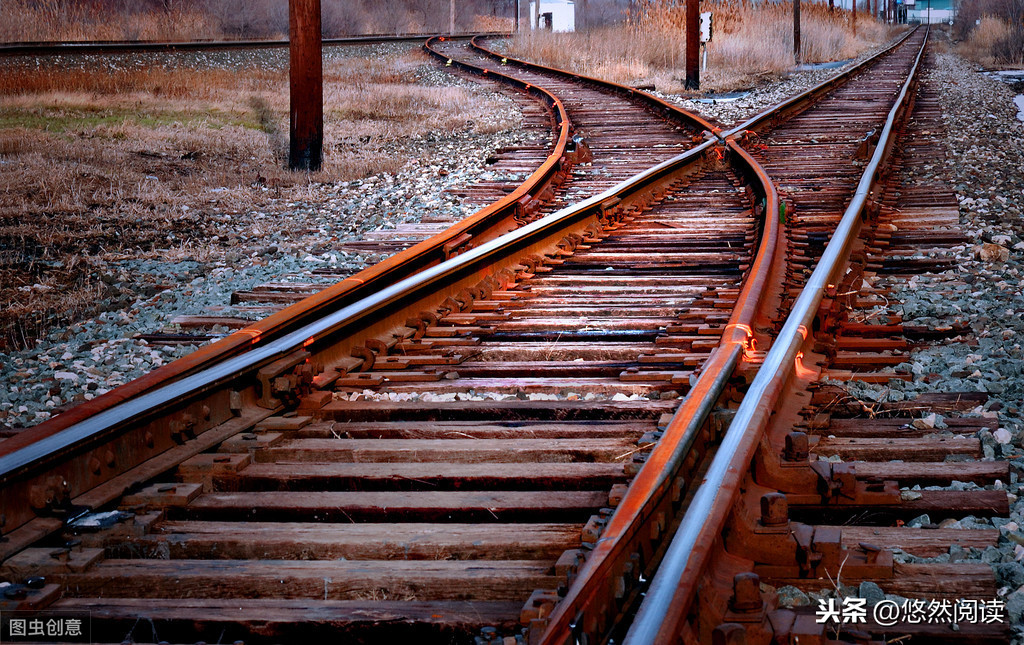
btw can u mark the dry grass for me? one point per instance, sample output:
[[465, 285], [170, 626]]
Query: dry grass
[[990, 43], [980, 40], [58, 20], [73, 20], [750, 41], [100, 163], [991, 32]]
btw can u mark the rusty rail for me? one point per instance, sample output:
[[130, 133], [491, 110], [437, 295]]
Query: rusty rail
[[657, 489], [799, 102], [674, 587], [484, 225], [134, 46], [653, 102], [25, 466], [306, 331], [485, 222], [593, 597]]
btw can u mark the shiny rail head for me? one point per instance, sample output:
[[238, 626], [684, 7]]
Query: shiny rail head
[[765, 115], [669, 594], [369, 280], [47, 449]]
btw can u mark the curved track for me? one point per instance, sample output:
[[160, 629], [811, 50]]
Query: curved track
[[132, 46], [420, 462], [623, 135]]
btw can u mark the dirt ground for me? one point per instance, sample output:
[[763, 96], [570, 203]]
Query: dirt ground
[[106, 158]]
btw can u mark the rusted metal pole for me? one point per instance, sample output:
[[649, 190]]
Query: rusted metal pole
[[693, 44], [796, 30], [306, 76], [853, 16]]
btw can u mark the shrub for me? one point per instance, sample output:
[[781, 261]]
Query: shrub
[[991, 31], [749, 40]]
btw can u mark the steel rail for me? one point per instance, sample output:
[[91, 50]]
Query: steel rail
[[799, 102], [655, 488], [653, 102], [674, 587], [649, 493], [544, 233], [132, 46], [484, 223]]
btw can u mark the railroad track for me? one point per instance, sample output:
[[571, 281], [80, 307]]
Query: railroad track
[[424, 448], [600, 134], [43, 48]]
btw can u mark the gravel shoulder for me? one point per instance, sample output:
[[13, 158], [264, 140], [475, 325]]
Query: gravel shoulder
[[290, 233], [985, 292], [985, 295], [76, 363]]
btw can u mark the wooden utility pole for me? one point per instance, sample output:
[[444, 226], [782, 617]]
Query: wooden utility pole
[[692, 44], [306, 76], [796, 30], [451, 17]]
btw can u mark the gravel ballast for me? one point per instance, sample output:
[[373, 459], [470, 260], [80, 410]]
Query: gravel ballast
[[985, 163], [287, 239], [985, 166]]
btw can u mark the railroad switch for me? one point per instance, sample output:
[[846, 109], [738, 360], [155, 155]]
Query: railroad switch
[[795, 471]]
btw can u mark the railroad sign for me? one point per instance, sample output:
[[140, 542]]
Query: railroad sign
[[705, 26]]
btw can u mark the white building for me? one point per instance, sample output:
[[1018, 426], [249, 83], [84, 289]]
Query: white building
[[553, 15]]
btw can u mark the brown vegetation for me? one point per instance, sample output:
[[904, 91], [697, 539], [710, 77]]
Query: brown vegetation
[[749, 41], [72, 20], [69, 20], [991, 31], [100, 162]]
